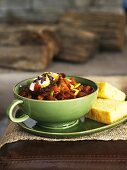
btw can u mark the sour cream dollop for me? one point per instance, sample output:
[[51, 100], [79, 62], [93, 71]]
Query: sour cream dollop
[[44, 80]]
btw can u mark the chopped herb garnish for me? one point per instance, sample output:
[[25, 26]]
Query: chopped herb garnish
[[52, 93]]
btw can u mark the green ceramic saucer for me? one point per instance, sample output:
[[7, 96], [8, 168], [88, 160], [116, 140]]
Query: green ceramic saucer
[[84, 126]]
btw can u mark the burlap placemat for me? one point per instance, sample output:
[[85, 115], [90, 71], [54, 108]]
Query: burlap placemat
[[15, 133]]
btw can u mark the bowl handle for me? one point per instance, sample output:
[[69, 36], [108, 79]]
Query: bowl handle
[[10, 112]]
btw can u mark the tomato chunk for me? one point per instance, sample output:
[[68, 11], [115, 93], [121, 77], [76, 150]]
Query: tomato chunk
[[55, 89], [37, 87]]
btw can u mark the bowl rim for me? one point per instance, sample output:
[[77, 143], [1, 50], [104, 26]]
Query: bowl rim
[[52, 101]]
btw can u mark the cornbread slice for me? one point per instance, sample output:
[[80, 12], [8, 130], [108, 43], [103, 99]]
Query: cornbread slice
[[108, 111], [107, 91]]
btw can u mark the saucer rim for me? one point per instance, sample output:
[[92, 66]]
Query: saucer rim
[[72, 134]]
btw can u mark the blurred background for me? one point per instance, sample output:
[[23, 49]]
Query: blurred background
[[77, 37]]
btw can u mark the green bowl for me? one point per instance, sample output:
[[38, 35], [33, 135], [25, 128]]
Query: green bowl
[[52, 114]]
